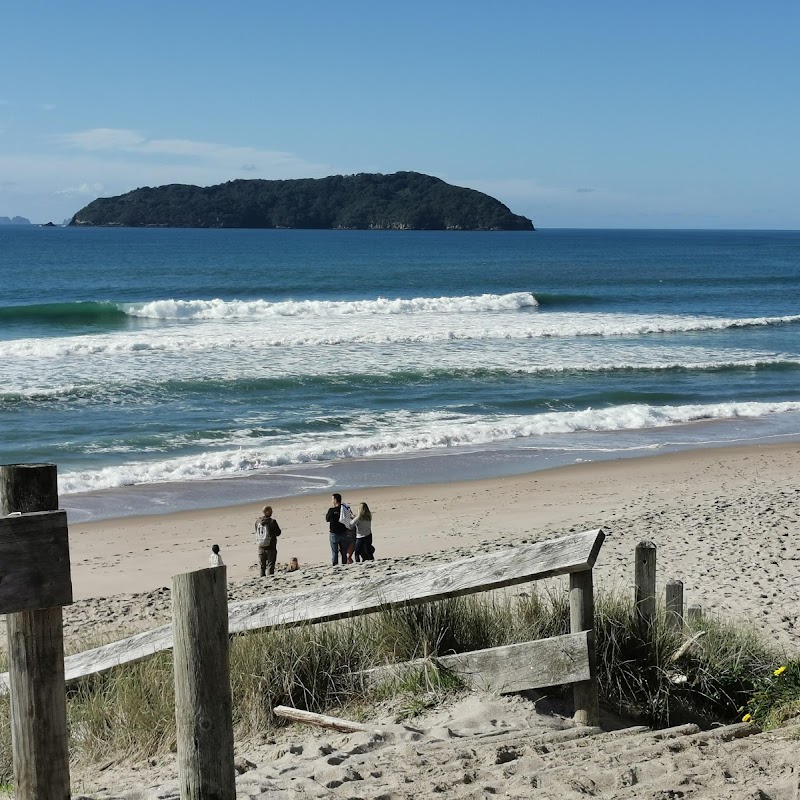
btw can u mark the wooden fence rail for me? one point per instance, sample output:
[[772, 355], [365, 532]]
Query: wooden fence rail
[[363, 595], [570, 555]]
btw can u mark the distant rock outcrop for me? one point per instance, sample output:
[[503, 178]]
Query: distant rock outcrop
[[401, 201], [14, 221]]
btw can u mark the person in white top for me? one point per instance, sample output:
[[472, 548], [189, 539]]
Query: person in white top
[[215, 559], [362, 524]]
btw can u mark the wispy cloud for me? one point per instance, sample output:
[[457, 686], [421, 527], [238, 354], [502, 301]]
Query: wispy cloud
[[92, 189], [210, 154], [48, 107], [55, 181], [102, 139]]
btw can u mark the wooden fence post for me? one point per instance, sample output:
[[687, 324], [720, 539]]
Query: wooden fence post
[[645, 578], [674, 604], [581, 618], [39, 738], [203, 704], [694, 614]]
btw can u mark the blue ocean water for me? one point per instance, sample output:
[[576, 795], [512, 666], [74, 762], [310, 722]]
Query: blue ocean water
[[151, 364]]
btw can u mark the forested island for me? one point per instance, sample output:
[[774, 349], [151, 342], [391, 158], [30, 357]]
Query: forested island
[[401, 201]]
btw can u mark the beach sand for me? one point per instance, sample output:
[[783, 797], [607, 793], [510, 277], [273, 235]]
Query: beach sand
[[726, 522]]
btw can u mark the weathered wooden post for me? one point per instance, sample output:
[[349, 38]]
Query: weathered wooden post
[[694, 614], [581, 618], [645, 579], [203, 704], [674, 605], [34, 583]]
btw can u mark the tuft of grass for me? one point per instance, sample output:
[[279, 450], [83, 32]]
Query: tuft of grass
[[708, 683], [6, 760], [126, 713]]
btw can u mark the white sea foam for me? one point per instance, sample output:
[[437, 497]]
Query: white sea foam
[[405, 432], [254, 334], [230, 309], [98, 378]]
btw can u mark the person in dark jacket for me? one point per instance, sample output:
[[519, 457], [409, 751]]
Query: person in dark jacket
[[341, 537], [267, 533]]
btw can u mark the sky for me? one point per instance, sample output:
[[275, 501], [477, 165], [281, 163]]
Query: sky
[[577, 114]]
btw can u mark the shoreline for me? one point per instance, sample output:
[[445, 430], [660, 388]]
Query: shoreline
[[447, 465], [724, 520]]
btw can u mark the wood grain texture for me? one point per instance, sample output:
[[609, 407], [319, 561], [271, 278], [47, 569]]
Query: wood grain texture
[[581, 618], [39, 705], [645, 586], [25, 488], [39, 734], [34, 568], [512, 668], [203, 703], [673, 595], [319, 720]]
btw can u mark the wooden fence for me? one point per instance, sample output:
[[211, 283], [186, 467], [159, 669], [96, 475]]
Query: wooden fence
[[202, 623], [201, 637], [35, 583]]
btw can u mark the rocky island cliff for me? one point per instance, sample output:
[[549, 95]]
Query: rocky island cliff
[[401, 201]]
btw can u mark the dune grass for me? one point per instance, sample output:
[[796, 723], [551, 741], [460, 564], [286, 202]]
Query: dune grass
[[727, 673]]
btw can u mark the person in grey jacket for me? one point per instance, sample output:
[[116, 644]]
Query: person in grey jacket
[[363, 527], [267, 533]]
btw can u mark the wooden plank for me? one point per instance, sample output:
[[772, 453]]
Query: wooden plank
[[512, 668], [34, 568], [366, 593], [319, 720], [466, 576]]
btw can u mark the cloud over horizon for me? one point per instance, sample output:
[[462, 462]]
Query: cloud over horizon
[[70, 169]]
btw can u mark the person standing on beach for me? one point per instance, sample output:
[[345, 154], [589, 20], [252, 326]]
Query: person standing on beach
[[341, 537], [267, 533], [215, 559], [363, 527]]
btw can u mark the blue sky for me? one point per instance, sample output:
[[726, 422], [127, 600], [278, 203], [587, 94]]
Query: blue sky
[[576, 114]]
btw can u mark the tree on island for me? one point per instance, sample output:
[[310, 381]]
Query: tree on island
[[401, 201]]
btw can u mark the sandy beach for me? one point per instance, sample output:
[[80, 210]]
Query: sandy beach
[[725, 521]]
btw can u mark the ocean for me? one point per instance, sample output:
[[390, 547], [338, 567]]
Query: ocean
[[166, 369]]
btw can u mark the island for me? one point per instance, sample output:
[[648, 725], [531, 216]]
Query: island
[[14, 221], [366, 201]]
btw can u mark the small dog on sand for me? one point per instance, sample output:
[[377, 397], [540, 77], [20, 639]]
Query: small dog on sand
[[293, 565]]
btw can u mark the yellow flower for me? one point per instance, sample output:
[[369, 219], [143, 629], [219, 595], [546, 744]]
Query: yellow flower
[[779, 671], [747, 718]]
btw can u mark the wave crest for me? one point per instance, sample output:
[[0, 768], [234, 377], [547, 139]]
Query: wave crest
[[411, 433], [233, 309]]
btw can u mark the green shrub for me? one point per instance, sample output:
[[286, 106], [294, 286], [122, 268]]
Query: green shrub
[[776, 697]]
